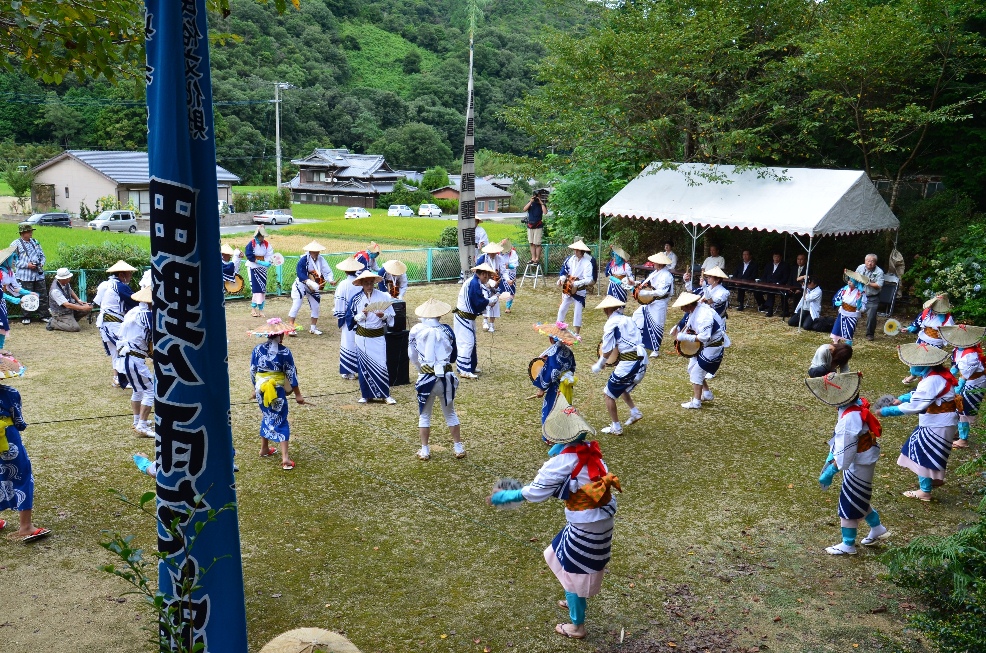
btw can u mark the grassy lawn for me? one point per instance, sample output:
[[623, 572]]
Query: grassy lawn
[[721, 524], [378, 62], [51, 238], [254, 189], [5, 189]]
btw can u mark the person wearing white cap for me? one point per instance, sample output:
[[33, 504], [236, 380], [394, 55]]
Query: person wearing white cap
[[65, 306], [620, 274], [431, 349], [622, 334], [493, 256], [580, 267], [345, 291], [258, 255], [650, 318], [114, 297], [394, 282], [135, 346], [701, 324], [313, 273], [474, 297], [231, 263], [371, 348]]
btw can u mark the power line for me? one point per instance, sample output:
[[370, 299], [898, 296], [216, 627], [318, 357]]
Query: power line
[[20, 98]]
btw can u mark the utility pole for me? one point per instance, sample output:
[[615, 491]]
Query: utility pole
[[278, 87]]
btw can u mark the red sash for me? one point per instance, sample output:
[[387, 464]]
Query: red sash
[[872, 423], [590, 456], [958, 353]]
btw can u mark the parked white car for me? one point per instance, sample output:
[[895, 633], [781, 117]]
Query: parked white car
[[357, 212], [430, 210], [115, 221], [273, 216], [400, 210]]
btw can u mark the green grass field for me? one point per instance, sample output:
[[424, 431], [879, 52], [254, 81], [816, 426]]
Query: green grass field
[[378, 62], [5, 189], [254, 189], [53, 237]]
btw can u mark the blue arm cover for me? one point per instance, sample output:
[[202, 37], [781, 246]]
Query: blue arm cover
[[265, 264], [12, 299], [506, 496], [24, 291], [830, 458], [825, 479], [904, 398], [954, 370], [890, 411], [960, 386], [555, 450], [912, 329]]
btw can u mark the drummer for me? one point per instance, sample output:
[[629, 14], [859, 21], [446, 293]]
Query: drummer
[[231, 265], [701, 325], [713, 292], [313, 274], [622, 334], [394, 282]]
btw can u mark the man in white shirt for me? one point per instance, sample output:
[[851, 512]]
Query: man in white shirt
[[713, 260], [874, 276]]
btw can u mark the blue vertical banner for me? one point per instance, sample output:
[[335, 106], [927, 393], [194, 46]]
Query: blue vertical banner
[[192, 403]]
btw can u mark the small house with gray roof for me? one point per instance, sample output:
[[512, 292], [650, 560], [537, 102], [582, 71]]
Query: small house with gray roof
[[77, 177], [489, 198], [344, 178]]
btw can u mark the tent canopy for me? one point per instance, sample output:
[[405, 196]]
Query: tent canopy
[[801, 201]]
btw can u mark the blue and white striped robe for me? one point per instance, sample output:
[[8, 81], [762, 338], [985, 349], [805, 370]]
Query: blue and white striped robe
[[473, 299], [344, 294], [650, 318], [371, 352]]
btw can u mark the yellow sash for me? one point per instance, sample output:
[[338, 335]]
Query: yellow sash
[[567, 388], [267, 383], [4, 423]]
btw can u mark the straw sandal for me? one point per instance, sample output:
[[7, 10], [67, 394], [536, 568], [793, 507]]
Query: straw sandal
[[563, 630], [917, 494]]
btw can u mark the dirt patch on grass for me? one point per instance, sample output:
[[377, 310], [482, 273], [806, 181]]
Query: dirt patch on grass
[[364, 538]]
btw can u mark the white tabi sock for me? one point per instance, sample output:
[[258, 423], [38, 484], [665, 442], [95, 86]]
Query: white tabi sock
[[136, 419]]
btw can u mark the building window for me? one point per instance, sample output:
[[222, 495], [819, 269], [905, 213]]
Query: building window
[[66, 192], [481, 206]]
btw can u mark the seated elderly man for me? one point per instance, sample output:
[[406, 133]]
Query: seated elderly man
[[65, 306]]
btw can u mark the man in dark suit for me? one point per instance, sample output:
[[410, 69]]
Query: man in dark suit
[[776, 272], [799, 273], [746, 270]]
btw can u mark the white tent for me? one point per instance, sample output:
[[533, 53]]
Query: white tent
[[803, 202]]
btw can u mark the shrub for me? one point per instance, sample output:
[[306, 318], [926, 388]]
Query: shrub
[[957, 268], [404, 193], [261, 200], [450, 207], [106, 203], [101, 256], [449, 237]]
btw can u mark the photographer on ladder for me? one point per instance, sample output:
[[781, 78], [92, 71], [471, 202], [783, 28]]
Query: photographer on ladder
[[535, 225]]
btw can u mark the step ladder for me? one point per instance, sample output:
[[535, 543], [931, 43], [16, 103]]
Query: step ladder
[[532, 271]]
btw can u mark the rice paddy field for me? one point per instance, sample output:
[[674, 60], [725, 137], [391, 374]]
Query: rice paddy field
[[720, 531]]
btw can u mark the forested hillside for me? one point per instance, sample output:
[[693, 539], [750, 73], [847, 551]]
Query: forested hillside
[[370, 76]]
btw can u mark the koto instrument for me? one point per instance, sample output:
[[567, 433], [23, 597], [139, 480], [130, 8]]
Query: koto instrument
[[30, 302], [688, 348], [646, 299], [232, 287], [534, 367], [612, 358]]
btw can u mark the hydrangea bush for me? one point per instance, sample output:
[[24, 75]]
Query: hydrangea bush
[[959, 269]]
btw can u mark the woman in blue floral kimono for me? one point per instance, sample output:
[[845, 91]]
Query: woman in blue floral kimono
[[558, 372], [16, 478], [271, 364]]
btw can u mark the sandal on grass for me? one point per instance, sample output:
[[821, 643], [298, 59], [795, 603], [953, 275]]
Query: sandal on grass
[[34, 536], [270, 452], [3, 524], [917, 494], [565, 631], [563, 604], [288, 466], [960, 444]]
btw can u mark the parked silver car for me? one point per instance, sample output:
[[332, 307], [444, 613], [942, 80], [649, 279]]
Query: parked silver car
[[115, 221]]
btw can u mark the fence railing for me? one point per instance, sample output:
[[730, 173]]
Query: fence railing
[[424, 265]]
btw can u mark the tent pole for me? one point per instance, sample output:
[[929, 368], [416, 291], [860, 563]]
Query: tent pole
[[599, 251], [804, 285]]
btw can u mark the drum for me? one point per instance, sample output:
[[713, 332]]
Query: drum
[[235, 286], [687, 348], [642, 300], [534, 367], [30, 303], [569, 286], [312, 285], [277, 259], [612, 359]]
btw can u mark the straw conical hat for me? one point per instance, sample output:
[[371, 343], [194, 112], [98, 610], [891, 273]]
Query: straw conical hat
[[962, 335], [716, 272], [314, 246], [349, 265], [260, 230], [368, 274], [836, 389], [10, 367], [684, 299], [144, 295], [121, 266], [432, 308], [6, 252], [373, 247], [564, 423], [395, 267], [855, 276], [274, 327], [578, 244], [226, 249], [557, 332], [660, 259], [920, 354], [482, 267], [939, 303], [619, 252], [610, 302], [505, 244], [309, 640], [492, 248]]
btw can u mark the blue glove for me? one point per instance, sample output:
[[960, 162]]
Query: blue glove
[[904, 398], [954, 370], [891, 411], [825, 478], [504, 497], [960, 386], [837, 303], [25, 291], [265, 264], [12, 299], [912, 329]]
